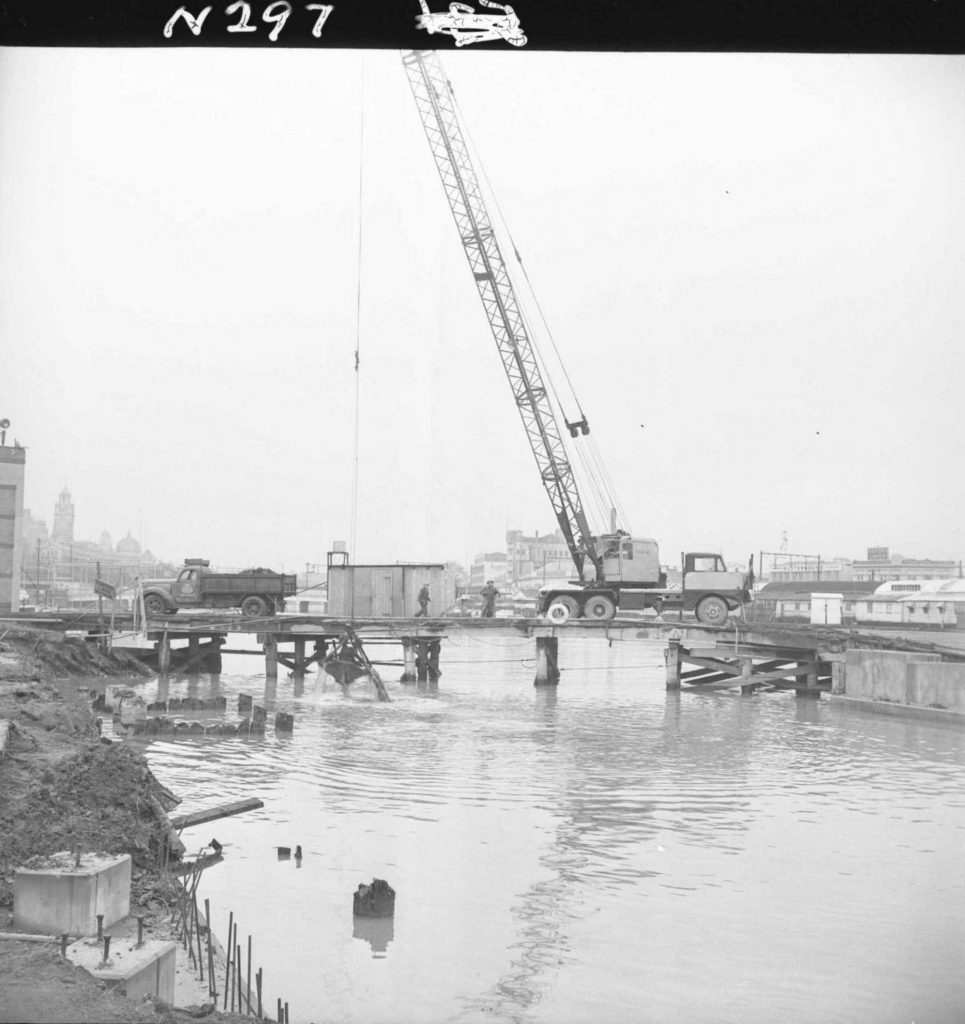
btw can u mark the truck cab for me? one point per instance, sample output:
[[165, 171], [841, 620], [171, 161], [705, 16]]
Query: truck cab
[[186, 588], [710, 588]]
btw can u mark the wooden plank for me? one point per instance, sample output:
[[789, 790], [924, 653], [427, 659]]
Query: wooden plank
[[214, 813], [753, 680]]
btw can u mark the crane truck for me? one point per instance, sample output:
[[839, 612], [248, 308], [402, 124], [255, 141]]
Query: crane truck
[[626, 570]]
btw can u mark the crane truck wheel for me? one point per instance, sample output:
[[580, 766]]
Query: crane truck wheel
[[562, 609], [712, 611], [154, 604], [254, 607], [599, 607]]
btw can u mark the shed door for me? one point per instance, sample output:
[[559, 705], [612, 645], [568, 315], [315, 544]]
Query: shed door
[[382, 594]]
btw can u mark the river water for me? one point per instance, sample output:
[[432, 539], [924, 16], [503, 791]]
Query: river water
[[600, 851]]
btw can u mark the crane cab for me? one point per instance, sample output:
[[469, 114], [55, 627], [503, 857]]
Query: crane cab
[[629, 559]]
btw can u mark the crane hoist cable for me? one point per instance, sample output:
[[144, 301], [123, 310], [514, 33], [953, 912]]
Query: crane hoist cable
[[358, 315]]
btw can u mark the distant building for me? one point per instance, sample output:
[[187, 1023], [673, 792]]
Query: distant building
[[881, 566], [62, 534], [493, 565], [537, 556], [12, 465], [810, 568], [790, 600]]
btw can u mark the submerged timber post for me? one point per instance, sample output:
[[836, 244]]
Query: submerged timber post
[[408, 660], [299, 669], [270, 645], [811, 680], [547, 661], [672, 656], [422, 661], [747, 670], [194, 656], [164, 654], [433, 666]]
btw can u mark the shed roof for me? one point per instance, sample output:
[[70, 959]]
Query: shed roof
[[803, 588]]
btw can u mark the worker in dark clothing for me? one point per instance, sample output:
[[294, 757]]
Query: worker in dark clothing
[[423, 601], [489, 594]]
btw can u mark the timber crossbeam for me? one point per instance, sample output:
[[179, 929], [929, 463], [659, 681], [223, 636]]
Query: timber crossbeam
[[706, 667]]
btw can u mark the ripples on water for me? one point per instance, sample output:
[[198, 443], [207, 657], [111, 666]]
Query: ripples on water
[[604, 851]]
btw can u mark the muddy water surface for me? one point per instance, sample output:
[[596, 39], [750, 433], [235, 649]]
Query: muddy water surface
[[598, 852]]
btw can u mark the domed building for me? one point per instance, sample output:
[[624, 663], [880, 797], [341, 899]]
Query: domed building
[[128, 547]]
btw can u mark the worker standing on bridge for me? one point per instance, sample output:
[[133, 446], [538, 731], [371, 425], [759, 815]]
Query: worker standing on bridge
[[423, 601], [489, 594]]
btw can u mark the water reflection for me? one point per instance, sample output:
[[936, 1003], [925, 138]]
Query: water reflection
[[378, 932], [533, 829]]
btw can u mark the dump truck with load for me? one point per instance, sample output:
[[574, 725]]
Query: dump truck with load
[[256, 592]]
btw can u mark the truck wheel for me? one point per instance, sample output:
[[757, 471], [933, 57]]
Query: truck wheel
[[562, 609], [599, 607], [254, 607], [712, 611], [154, 605]]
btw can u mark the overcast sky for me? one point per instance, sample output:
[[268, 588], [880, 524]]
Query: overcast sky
[[753, 267]]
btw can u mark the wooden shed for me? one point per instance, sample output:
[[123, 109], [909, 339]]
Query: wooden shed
[[388, 591]]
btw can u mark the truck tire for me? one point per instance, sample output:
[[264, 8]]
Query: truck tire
[[599, 607], [154, 604], [562, 609], [712, 611], [254, 607]]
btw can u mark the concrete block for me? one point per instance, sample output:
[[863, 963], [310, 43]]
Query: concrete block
[[941, 685], [131, 971], [60, 897], [882, 675]]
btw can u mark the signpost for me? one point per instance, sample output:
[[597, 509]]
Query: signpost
[[104, 589]]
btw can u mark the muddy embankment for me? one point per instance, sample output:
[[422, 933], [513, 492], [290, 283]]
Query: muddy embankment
[[65, 787]]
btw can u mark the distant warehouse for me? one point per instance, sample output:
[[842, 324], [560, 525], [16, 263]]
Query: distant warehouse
[[923, 603]]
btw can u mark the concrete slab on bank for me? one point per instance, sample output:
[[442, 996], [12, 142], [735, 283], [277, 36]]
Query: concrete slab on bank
[[64, 896], [135, 971]]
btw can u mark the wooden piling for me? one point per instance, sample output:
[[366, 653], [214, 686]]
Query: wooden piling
[[421, 660], [547, 661], [194, 655], [270, 645], [299, 669], [409, 660], [672, 656], [747, 670], [164, 654], [434, 647]]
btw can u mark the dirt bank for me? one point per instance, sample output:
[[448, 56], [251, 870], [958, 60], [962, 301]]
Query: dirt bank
[[64, 787]]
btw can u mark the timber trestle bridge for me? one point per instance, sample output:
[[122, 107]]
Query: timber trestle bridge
[[809, 660]]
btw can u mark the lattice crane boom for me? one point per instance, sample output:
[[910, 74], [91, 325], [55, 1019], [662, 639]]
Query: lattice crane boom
[[433, 97]]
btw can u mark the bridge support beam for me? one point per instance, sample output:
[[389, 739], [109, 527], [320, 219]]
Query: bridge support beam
[[547, 661]]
